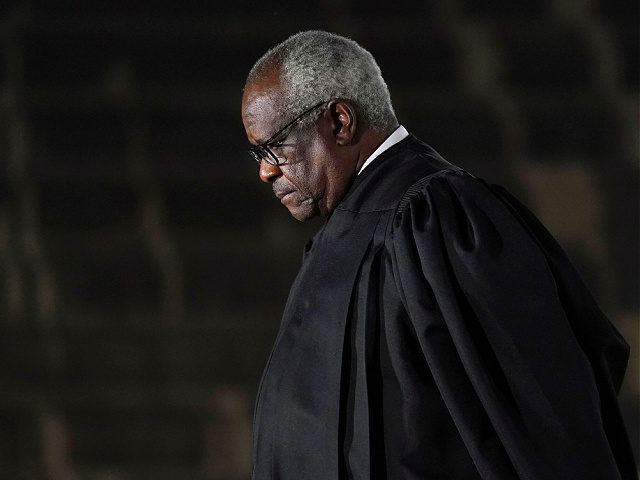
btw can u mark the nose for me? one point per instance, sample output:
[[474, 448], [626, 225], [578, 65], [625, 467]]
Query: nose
[[268, 173]]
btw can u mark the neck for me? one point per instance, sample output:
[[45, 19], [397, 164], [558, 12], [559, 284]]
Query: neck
[[370, 141]]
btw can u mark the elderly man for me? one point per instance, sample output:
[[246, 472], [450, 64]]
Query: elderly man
[[435, 329]]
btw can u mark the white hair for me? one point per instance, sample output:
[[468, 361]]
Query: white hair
[[317, 66]]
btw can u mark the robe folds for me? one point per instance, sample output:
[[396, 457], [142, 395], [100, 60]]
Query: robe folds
[[436, 330]]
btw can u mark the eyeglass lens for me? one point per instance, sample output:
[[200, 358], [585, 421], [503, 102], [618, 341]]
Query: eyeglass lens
[[260, 152]]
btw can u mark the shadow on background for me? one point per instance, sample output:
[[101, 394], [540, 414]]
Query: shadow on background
[[143, 265]]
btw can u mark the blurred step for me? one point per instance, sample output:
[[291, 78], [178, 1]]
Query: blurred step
[[568, 199], [105, 271], [80, 142], [231, 274], [540, 56], [215, 134], [135, 438], [455, 129], [109, 356], [170, 9], [3, 62], [6, 191], [504, 10], [95, 168], [86, 133], [413, 56], [24, 357], [87, 205], [218, 204], [627, 46], [237, 166], [18, 441], [620, 11], [5, 310], [69, 59], [61, 49], [569, 126], [218, 353], [363, 11]]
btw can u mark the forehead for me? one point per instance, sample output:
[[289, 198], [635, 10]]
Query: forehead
[[260, 114]]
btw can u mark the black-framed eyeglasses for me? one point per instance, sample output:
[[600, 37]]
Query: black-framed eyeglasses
[[262, 151]]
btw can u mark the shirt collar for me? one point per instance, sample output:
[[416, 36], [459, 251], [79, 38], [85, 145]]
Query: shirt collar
[[398, 134]]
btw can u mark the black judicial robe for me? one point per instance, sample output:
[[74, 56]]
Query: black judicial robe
[[435, 330]]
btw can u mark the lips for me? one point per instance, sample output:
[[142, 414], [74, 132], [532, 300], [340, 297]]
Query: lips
[[283, 198], [281, 189], [283, 194]]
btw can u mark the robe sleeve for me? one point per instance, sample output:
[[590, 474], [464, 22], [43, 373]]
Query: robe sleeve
[[525, 381]]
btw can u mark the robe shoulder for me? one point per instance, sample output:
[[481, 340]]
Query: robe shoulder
[[383, 184], [511, 334]]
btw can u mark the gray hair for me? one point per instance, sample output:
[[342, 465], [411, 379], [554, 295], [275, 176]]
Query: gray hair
[[317, 66]]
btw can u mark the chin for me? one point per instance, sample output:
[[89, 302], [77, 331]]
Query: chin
[[301, 215], [304, 211]]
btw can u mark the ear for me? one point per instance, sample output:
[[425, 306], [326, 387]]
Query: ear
[[343, 116]]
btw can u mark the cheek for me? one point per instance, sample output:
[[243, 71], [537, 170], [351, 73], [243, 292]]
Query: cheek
[[302, 178], [316, 166], [306, 172]]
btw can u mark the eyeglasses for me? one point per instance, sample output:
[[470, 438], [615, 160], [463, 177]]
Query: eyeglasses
[[262, 151]]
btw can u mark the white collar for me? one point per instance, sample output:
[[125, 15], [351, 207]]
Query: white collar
[[398, 134]]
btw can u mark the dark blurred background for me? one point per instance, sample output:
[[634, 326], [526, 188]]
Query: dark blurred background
[[144, 267]]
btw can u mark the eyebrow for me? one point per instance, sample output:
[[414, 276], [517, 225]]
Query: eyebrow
[[261, 140], [271, 138]]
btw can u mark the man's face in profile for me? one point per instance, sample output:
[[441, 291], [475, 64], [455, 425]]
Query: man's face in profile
[[298, 181], [308, 167]]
